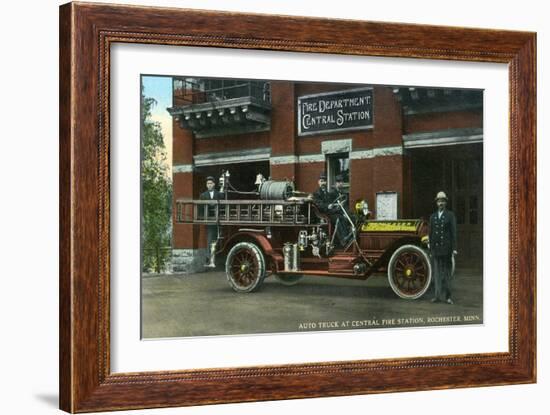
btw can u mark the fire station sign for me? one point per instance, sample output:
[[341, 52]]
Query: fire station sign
[[335, 111]]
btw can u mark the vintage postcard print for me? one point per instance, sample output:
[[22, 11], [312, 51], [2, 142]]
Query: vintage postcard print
[[274, 206]]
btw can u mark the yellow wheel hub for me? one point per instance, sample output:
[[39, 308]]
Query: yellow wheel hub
[[408, 273], [244, 267]]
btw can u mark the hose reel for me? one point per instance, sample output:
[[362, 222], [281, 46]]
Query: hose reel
[[276, 190]]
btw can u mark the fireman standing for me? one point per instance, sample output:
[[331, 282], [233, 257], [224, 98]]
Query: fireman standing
[[442, 240], [211, 229]]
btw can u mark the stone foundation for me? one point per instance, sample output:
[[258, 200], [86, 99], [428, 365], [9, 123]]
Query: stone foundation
[[188, 261]]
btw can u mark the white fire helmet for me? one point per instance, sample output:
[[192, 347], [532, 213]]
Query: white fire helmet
[[441, 195]]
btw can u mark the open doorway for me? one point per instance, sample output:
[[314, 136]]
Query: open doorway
[[458, 171], [242, 176]]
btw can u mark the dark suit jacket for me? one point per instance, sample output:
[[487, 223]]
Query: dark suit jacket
[[206, 196], [334, 194], [322, 200], [442, 233]]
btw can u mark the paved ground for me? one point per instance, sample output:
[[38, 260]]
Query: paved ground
[[204, 304]]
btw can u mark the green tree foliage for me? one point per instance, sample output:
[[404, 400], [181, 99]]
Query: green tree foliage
[[156, 188]]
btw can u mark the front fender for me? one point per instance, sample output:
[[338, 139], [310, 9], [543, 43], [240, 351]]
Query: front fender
[[408, 240], [260, 239], [274, 260]]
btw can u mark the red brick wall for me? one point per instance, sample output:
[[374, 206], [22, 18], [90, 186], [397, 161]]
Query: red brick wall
[[283, 129], [284, 171], [283, 124], [442, 121], [183, 185], [184, 236], [362, 181], [232, 142], [388, 128], [369, 176], [182, 145], [307, 175], [312, 144]]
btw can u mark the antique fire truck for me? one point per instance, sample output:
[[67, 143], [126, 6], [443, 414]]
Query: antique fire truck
[[277, 231]]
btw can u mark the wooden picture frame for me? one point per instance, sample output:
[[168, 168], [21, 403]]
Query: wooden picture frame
[[86, 33]]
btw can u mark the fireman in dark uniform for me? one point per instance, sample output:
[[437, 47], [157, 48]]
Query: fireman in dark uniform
[[211, 230], [325, 202], [321, 195], [343, 231], [442, 244]]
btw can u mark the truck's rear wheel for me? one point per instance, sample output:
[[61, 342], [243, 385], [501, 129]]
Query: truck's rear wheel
[[245, 267], [409, 272]]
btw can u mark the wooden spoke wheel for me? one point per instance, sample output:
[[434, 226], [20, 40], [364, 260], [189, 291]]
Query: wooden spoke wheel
[[245, 267], [409, 272], [289, 280]]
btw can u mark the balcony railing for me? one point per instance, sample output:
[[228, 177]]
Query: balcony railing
[[188, 92]]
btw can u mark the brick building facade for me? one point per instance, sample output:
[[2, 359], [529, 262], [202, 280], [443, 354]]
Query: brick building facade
[[421, 140]]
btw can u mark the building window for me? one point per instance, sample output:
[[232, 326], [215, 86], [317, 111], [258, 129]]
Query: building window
[[338, 164]]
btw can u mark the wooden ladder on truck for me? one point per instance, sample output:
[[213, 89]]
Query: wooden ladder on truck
[[249, 212]]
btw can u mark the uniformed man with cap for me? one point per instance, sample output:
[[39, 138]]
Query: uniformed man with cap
[[343, 231], [211, 230], [338, 192], [442, 245], [321, 195]]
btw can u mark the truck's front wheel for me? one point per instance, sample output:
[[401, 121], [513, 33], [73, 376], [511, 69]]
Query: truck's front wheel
[[245, 267], [409, 272]]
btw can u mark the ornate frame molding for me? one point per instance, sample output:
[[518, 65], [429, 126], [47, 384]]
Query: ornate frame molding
[[86, 33]]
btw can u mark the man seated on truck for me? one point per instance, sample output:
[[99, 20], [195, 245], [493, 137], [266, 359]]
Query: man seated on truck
[[325, 202], [211, 229], [343, 229], [321, 195]]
